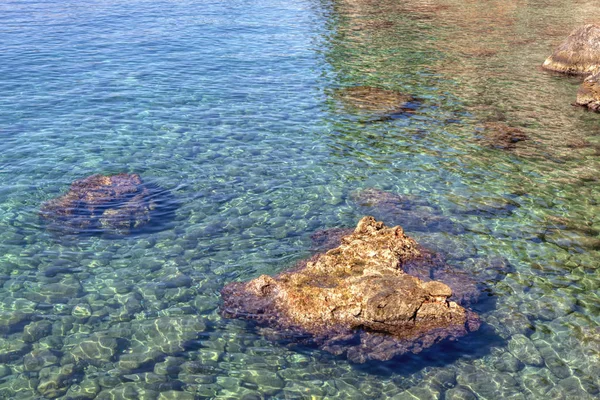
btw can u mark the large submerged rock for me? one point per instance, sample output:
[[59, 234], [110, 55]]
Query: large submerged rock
[[589, 92], [412, 213], [501, 136], [355, 299], [376, 100], [117, 204], [578, 54]]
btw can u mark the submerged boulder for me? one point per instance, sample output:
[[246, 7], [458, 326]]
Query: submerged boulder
[[375, 100], [117, 203], [355, 299], [589, 92], [578, 54], [410, 212], [501, 136]]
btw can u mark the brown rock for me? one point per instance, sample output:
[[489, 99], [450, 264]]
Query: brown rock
[[589, 92], [375, 100], [328, 239], [502, 136], [579, 54], [355, 298], [115, 203]]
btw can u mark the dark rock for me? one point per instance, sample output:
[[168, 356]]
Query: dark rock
[[12, 349], [375, 100], [95, 348], [38, 359], [501, 136], [37, 330], [55, 381], [355, 299], [51, 272], [578, 54], [13, 321], [98, 203], [372, 197], [407, 211]]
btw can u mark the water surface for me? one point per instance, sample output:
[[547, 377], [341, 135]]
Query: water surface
[[232, 107]]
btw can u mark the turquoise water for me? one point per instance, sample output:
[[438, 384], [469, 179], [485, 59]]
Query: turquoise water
[[232, 107]]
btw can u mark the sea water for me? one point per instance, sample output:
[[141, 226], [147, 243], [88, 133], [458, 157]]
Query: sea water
[[233, 108]]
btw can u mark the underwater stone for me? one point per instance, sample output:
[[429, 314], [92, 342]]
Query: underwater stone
[[588, 94], [175, 395], [86, 389], [11, 349], [146, 377], [569, 388], [411, 213], [128, 391], [538, 381], [418, 392], [501, 136], [55, 293], [117, 204], [578, 54], [108, 381], [356, 291], [37, 330], [459, 393], [55, 381], [95, 348], [269, 382], [508, 363], [81, 311], [22, 386], [373, 99], [38, 359], [142, 356], [169, 366], [166, 334], [509, 321], [487, 384], [523, 348], [13, 321], [554, 363], [195, 379]]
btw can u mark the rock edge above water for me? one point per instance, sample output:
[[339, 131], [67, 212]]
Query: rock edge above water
[[355, 299], [578, 54]]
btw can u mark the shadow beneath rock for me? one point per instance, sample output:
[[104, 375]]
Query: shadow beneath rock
[[476, 345]]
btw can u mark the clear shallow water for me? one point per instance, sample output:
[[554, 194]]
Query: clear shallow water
[[232, 107]]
